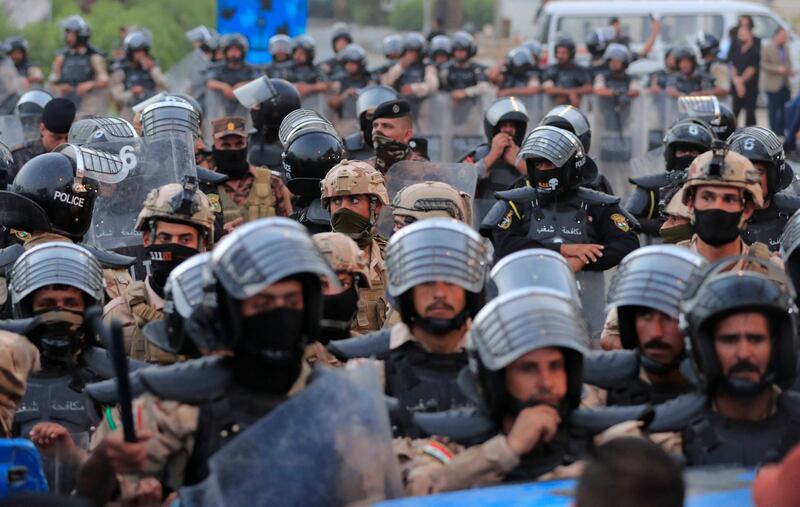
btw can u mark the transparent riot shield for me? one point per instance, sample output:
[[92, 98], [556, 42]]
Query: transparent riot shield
[[462, 177], [655, 119], [9, 86], [330, 445], [60, 468], [467, 124], [432, 122], [12, 131], [189, 75], [651, 162], [126, 171], [616, 139], [592, 286], [345, 119], [318, 102], [535, 107]]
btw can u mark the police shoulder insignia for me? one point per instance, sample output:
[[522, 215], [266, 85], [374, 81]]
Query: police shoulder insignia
[[505, 223], [213, 200], [621, 222]]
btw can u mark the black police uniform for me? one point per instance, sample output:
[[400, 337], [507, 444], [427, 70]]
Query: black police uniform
[[766, 225], [77, 66], [135, 75], [279, 70], [567, 75], [223, 72], [695, 82], [457, 76], [517, 79]]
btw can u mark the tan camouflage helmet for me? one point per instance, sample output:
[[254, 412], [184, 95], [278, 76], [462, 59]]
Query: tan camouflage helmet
[[353, 177], [175, 203], [432, 199], [736, 171], [343, 254]]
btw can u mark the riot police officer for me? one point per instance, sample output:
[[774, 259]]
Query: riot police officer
[[613, 80], [648, 328], [689, 79], [57, 117], [340, 304], [280, 99], [711, 64], [597, 42], [79, 68], [527, 368], [17, 49], [554, 212], [340, 39], [393, 135], [765, 150], [251, 192], [139, 76], [310, 151], [359, 144], [176, 222], [440, 51], [226, 76], [520, 74], [741, 327], [430, 199], [684, 141], [351, 79], [462, 76], [30, 108], [306, 77], [353, 193], [565, 81], [504, 124], [280, 48], [411, 76], [264, 320], [392, 46], [658, 79], [436, 294]]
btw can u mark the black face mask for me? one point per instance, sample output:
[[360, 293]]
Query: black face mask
[[232, 163], [439, 326], [681, 163], [717, 227], [59, 337], [337, 315], [163, 259], [549, 183], [272, 345]]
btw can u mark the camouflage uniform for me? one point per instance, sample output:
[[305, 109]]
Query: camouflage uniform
[[354, 177], [140, 304], [18, 359]]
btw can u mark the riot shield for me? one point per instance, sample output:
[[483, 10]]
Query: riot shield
[[651, 162], [431, 122], [126, 172], [345, 119], [189, 75], [466, 120], [60, 469], [616, 140], [9, 86], [654, 109], [317, 102], [329, 445], [535, 107], [12, 132], [462, 177], [592, 286]]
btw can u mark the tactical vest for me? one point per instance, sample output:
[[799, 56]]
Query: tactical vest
[[141, 348], [516, 80], [137, 76], [544, 458], [422, 382], [562, 221], [639, 392], [280, 70], [233, 76], [60, 399], [414, 73], [76, 68], [766, 225], [304, 74], [372, 305], [689, 84], [259, 204], [569, 76], [456, 77], [264, 154], [356, 148], [712, 439], [619, 82], [502, 175]]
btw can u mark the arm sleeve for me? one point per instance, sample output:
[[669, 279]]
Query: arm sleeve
[[389, 77], [615, 235]]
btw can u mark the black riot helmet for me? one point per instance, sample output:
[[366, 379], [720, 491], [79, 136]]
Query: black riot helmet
[[502, 110], [519, 322], [368, 99], [616, 51], [307, 43], [340, 31], [414, 41], [719, 292], [6, 165], [13, 43], [685, 52], [573, 119], [280, 43], [441, 44], [685, 134], [138, 40], [565, 40], [534, 46], [711, 111], [561, 148], [392, 45], [708, 44], [235, 39], [519, 60], [269, 101], [598, 40], [49, 195], [311, 147], [759, 144], [78, 25], [463, 40], [353, 53]]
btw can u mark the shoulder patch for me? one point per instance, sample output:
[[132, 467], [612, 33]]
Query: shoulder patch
[[213, 199], [621, 222], [505, 223]]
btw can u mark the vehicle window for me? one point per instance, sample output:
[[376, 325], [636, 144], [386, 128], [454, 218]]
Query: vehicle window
[[684, 29], [637, 28], [764, 26]]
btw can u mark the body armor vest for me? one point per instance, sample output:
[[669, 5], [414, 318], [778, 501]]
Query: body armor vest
[[233, 76], [456, 77], [143, 313], [137, 76], [689, 84], [561, 221], [58, 398], [639, 392], [422, 382], [516, 79], [569, 76], [280, 70], [259, 204], [76, 68], [304, 74], [766, 225], [414, 73]]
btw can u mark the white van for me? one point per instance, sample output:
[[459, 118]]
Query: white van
[[681, 20]]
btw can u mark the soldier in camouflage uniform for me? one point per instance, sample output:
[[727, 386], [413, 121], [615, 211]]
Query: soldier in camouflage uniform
[[176, 223], [430, 199], [354, 192]]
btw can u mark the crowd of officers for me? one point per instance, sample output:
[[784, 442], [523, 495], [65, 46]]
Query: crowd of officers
[[269, 266]]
